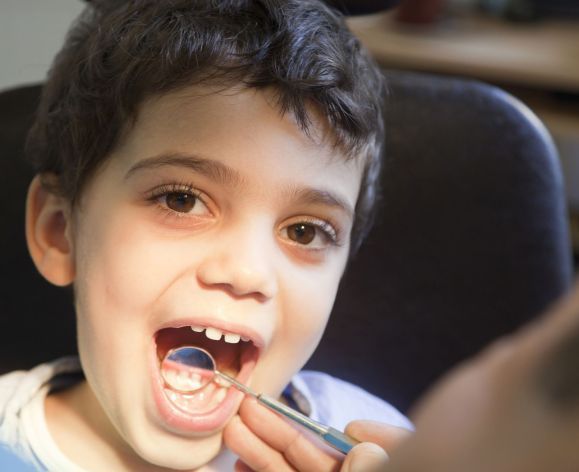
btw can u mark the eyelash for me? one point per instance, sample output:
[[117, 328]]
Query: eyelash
[[331, 231], [163, 190]]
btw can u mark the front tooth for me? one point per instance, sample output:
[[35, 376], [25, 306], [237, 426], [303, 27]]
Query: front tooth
[[171, 377], [213, 333], [195, 381], [182, 381], [222, 382], [198, 329], [220, 395], [232, 338], [244, 339]]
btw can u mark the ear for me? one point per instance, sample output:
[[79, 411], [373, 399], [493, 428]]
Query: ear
[[48, 234]]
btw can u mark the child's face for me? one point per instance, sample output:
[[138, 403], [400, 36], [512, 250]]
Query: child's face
[[214, 211]]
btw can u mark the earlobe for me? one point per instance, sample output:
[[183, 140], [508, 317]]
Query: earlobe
[[48, 234]]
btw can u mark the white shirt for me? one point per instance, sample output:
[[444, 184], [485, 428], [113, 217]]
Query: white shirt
[[24, 430]]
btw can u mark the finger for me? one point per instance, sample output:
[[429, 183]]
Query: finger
[[365, 457], [298, 447], [241, 466], [253, 452], [386, 436]]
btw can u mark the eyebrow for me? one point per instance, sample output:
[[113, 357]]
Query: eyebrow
[[223, 174], [313, 196], [213, 169]]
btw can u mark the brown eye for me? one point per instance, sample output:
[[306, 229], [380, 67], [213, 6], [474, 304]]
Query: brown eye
[[301, 233], [180, 202]]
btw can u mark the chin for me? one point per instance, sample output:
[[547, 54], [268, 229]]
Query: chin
[[177, 454]]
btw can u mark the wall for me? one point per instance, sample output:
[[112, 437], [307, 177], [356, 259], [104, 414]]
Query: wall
[[31, 32]]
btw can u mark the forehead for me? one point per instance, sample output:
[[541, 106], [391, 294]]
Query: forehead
[[243, 131]]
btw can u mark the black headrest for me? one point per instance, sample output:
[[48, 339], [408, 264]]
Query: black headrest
[[471, 241]]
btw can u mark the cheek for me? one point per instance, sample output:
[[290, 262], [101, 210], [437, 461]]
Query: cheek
[[125, 267], [305, 306], [307, 309]]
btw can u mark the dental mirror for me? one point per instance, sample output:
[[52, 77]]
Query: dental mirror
[[188, 369]]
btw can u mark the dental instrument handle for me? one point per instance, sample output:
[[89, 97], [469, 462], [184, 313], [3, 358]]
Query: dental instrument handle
[[338, 440]]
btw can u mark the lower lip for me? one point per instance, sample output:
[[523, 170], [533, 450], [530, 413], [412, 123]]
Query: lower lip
[[180, 421]]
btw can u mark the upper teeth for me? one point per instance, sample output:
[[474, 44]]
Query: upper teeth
[[216, 334]]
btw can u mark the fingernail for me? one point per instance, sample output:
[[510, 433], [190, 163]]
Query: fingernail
[[366, 457]]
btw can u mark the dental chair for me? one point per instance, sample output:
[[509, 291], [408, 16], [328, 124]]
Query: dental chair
[[471, 241]]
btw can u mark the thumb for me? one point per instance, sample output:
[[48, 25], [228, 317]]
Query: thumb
[[365, 457], [386, 436]]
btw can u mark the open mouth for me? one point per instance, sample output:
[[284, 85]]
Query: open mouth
[[234, 354]]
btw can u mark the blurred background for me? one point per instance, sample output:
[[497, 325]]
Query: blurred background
[[528, 47], [31, 32]]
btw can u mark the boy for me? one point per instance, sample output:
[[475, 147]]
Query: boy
[[204, 169]]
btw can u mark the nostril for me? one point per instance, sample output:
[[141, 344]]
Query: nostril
[[240, 273], [261, 290]]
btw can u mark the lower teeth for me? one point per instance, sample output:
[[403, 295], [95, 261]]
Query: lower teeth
[[190, 382], [198, 402]]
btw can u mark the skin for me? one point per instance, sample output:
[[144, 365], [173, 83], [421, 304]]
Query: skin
[[267, 443], [136, 263]]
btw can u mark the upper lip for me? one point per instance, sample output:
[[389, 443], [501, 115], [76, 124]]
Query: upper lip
[[253, 335]]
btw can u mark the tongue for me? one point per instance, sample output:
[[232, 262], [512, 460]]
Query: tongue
[[227, 356]]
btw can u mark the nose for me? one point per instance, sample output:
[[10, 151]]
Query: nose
[[241, 262]]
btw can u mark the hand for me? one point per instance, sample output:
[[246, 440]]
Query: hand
[[375, 439], [266, 442], [514, 408]]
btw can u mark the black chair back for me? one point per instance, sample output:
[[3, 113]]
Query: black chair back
[[472, 239]]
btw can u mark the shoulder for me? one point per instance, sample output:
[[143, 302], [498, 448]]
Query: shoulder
[[9, 384], [19, 389], [16, 389], [337, 402]]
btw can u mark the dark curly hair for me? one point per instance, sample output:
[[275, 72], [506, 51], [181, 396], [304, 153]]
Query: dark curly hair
[[118, 53]]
